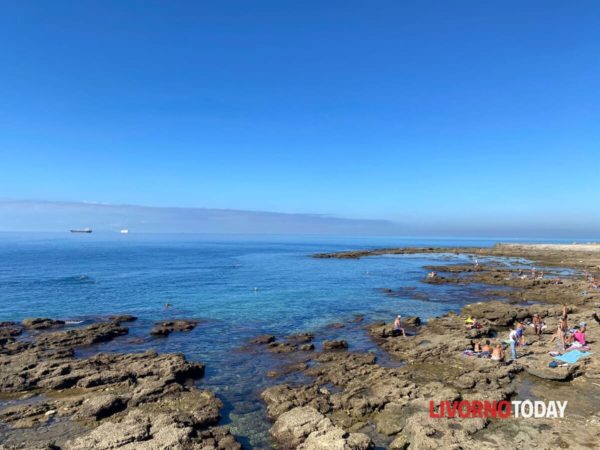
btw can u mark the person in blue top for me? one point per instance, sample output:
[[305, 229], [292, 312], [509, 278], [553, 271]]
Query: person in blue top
[[520, 333]]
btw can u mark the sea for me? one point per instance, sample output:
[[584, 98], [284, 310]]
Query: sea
[[238, 287]]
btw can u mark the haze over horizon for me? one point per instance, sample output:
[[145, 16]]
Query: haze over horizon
[[55, 216], [427, 117]]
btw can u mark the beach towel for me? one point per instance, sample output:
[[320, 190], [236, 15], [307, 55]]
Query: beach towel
[[572, 357]]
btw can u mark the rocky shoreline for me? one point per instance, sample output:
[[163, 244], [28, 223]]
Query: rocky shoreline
[[352, 402], [346, 399], [109, 400]]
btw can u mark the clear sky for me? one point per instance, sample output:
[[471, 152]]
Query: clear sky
[[441, 112]]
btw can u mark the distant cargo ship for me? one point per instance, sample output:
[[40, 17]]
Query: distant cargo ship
[[85, 230]]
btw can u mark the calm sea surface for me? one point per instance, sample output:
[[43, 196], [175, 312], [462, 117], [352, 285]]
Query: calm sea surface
[[238, 287]]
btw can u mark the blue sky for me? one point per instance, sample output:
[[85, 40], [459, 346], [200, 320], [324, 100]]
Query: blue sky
[[434, 112]]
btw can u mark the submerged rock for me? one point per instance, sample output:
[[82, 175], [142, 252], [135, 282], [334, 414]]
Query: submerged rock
[[41, 323], [167, 327], [263, 339], [282, 347], [335, 345], [122, 318], [301, 338]]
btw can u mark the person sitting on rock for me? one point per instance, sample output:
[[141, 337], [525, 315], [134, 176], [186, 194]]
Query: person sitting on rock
[[498, 353], [477, 347], [398, 330], [537, 324], [470, 323], [486, 349], [578, 337]]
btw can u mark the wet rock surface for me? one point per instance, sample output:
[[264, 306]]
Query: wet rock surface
[[163, 329], [263, 339], [105, 401], [41, 323], [9, 330], [122, 318], [335, 345]]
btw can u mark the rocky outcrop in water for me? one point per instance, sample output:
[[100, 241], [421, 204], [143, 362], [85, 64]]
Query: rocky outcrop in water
[[122, 318], [263, 339], [167, 327], [42, 323], [335, 345]]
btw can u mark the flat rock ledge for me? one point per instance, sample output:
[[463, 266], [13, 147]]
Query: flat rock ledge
[[307, 429]]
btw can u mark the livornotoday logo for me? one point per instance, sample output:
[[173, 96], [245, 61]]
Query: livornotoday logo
[[504, 409]]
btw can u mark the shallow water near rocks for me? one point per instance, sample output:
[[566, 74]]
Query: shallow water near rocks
[[237, 288]]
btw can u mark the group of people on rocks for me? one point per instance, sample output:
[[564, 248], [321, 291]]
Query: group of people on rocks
[[496, 351], [567, 338], [486, 350]]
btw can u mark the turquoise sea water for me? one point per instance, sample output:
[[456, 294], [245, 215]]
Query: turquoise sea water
[[238, 287]]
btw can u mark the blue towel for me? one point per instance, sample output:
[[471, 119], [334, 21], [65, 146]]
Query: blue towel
[[572, 357]]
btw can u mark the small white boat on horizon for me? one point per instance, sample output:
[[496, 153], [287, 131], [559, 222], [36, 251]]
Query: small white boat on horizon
[[124, 231]]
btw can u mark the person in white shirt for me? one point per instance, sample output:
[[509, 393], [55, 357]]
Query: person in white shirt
[[513, 336]]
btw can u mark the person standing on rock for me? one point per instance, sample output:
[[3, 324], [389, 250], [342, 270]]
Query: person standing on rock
[[521, 333], [560, 334], [513, 337], [537, 324]]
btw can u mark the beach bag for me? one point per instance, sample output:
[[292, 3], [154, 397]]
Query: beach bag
[[553, 364]]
